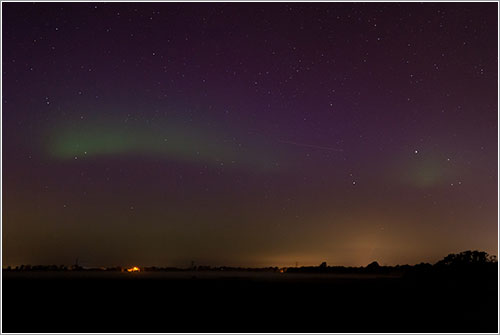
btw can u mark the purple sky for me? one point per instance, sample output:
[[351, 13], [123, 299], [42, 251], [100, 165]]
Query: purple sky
[[249, 134]]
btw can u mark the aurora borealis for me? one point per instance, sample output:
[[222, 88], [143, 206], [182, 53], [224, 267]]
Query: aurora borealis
[[166, 140], [248, 134]]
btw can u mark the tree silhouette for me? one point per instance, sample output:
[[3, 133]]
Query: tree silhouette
[[467, 258]]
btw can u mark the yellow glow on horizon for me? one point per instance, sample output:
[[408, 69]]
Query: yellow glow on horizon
[[134, 269]]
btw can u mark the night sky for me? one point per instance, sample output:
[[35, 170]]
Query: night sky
[[248, 134]]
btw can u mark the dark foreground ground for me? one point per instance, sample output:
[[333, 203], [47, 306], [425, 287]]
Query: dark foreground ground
[[247, 302]]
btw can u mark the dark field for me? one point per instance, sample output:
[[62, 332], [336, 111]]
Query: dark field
[[246, 302]]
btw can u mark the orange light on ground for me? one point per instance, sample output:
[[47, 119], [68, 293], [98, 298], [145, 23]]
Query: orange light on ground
[[134, 269]]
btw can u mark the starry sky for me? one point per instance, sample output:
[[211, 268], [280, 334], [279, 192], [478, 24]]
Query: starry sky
[[248, 134]]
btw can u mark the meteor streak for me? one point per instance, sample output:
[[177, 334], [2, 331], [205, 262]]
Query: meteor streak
[[311, 146]]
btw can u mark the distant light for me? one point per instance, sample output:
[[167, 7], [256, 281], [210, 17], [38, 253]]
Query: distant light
[[134, 269], [416, 152]]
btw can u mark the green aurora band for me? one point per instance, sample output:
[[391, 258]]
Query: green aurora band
[[172, 142]]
